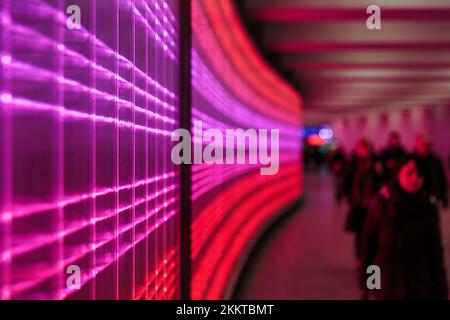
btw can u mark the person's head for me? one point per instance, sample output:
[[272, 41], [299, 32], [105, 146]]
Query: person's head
[[409, 175], [394, 139], [363, 148], [423, 145]]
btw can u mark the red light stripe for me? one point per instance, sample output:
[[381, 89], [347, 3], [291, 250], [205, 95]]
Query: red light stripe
[[302, 66], [255, 60], [263, 211], [208, 42], [217, 15], [242, 212], [227, 246], [211, 216], [293, 47], [309, 14]]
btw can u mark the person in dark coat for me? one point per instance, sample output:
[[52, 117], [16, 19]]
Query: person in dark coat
[[338, 163], [361, 184], [390, 155], [434, 170], [402, 236]]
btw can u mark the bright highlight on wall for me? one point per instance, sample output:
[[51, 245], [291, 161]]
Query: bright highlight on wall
[[86, 176], [234, 88]]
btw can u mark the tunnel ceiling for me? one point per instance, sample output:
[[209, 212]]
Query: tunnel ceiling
[[343, 67]]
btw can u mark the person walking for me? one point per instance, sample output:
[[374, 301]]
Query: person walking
[[337, 161], [361, 184], [401, 235], [391, 154], [434, 170]]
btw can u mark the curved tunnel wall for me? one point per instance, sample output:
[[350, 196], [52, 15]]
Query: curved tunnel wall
[[234, 88], [86, 177]]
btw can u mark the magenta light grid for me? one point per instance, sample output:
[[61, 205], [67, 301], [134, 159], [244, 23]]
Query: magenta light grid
[[85, 121]]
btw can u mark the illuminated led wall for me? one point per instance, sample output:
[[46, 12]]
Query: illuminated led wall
[[86, 178], [85, 170], [232, 203]]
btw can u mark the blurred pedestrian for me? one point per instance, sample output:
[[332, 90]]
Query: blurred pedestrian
[[434, 170], [402, 236], [361, 184], [337, 161], [390, 155]]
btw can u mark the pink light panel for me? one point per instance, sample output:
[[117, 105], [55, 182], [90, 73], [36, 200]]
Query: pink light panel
[[85, 123]]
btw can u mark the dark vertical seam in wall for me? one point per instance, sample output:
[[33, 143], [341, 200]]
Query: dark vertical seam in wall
[[185, 174]]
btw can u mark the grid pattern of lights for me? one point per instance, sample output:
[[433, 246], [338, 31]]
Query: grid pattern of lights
[[232, 203], [86, 176]]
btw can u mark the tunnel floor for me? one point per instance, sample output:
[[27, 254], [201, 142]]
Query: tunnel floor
[[309, 255]]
